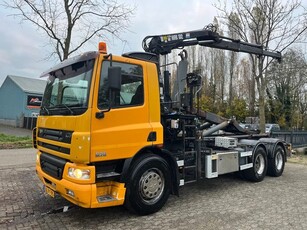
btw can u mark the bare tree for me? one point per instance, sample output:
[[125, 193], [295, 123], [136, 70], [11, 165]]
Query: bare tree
[[286, 89], [69, 24], [217, 78], [234, 18], [245, 87], [270, 23]]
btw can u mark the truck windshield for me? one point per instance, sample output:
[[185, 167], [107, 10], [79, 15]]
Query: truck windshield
[[67, 89]]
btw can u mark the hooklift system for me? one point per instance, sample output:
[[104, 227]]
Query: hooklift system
[[204, 144], [110, 132]]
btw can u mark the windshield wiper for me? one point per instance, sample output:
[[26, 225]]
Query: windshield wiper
[[44, 108], [78, 105], [63, 105]]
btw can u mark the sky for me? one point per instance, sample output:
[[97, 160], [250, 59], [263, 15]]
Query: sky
[[23, 49]]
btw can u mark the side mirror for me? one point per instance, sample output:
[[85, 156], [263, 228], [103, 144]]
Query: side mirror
[[114, 77]]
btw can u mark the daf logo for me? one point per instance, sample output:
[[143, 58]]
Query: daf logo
[[101, 154]]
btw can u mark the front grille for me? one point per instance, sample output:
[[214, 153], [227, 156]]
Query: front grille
[[62, 136], [54, 147], [52, 165], [55, 135]]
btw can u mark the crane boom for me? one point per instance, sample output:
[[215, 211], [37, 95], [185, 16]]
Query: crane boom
[[164, 44]]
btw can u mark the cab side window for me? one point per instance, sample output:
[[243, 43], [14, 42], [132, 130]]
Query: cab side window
[[132, 89]]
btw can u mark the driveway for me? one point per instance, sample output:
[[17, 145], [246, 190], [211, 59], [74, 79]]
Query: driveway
[[226, 202], [17, 157]]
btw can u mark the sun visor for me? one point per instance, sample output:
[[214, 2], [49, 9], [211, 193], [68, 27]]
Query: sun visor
[[70, 61]]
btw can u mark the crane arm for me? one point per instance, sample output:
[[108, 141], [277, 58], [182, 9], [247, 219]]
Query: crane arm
[[164, 44]]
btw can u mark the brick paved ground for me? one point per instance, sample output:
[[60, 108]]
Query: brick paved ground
[[223, 203]]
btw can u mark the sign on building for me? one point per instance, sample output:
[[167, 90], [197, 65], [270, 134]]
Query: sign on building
[[34, 102]]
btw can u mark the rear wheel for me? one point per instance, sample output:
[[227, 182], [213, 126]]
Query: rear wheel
[[259, 169], [277, 163], [149, 185]]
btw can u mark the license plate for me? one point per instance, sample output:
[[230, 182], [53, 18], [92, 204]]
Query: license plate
[[50, 192]]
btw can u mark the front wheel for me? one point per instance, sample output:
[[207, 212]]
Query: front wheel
[[259, 169], [277, 163], [149, 185]]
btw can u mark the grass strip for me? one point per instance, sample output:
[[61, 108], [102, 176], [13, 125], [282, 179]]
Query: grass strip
[[13, 142]]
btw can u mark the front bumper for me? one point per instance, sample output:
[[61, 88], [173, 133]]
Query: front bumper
[[94, 195]]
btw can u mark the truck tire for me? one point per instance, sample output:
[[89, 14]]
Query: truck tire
[[276, 165], [260, 165], [148, 186]]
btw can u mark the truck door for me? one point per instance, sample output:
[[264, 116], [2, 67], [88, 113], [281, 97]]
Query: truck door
[[120, 121]]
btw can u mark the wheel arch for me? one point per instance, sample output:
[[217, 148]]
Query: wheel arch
[[262, 145], [272, 144], [164, 154], [253, 145]]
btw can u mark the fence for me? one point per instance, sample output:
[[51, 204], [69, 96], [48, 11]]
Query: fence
[[29, 122], [298, 139]]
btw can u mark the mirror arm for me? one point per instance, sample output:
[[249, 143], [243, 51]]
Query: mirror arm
[[109, 56]]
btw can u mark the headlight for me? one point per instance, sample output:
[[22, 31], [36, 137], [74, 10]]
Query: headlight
[[82, 174]]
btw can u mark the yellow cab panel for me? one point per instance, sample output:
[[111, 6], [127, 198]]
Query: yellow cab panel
[[123, 121]]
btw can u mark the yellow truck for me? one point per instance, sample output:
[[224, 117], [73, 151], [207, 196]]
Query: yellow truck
[[110, 131]]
